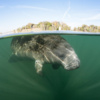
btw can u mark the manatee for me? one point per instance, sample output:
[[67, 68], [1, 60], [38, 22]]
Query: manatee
[[51, 49]]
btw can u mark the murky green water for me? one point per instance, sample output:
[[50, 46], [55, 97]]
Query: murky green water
[[19, 80]]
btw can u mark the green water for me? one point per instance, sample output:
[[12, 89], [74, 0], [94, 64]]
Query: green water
[[19, 80]]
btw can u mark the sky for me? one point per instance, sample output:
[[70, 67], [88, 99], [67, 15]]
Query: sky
[[17, 13]]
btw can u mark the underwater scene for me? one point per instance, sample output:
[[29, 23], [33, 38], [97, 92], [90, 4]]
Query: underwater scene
[[19, 80]]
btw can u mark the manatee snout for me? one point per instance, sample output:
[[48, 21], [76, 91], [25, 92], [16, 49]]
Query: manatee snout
[[71, 61], [73, 65]]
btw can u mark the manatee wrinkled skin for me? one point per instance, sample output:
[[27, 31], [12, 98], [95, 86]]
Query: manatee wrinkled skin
[[46, 49]]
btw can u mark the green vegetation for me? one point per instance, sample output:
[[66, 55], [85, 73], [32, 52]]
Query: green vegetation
[[55, 26], [86, 28], [45, 26]]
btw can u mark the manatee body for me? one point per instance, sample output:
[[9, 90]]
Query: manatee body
[[46, 49]]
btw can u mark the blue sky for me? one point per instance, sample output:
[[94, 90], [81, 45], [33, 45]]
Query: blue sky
[[16, 13]]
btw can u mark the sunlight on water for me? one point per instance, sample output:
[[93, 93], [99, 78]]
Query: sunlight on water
[[19, 80]]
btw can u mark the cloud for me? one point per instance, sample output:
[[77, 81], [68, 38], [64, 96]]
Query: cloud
[[96, 17], [32, 7], [67, 12]]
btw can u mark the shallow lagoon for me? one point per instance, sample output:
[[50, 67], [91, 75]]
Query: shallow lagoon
[[19, 80]]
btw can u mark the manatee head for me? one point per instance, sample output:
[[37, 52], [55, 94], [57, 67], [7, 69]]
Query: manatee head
[[67, 57], [70, 60]]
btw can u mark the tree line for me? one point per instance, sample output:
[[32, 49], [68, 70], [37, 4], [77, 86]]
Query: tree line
[[86, 28], [55, 26], [46, 26]]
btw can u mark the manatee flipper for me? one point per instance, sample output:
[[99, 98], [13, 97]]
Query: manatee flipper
[[55, 66], [38, 66]]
